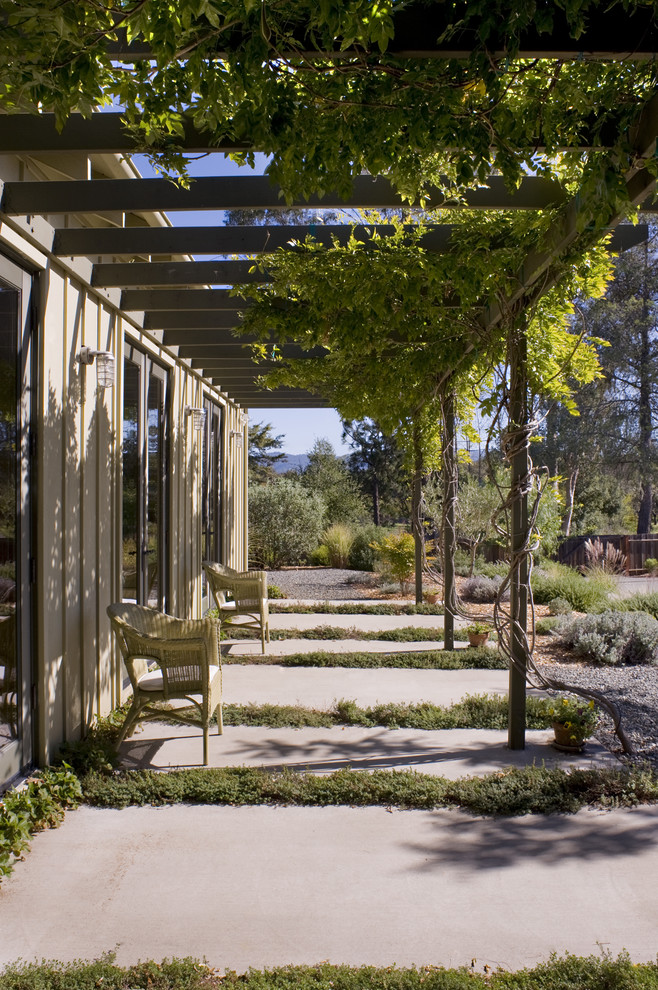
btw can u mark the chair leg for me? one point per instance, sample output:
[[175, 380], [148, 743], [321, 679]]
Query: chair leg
[[205, 745], [220, 720], [130, 723], [262, 637]]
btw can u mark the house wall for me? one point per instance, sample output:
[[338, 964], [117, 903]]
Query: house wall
[[77, 499]]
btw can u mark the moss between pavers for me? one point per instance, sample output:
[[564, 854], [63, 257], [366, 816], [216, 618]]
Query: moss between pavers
[[560, 973]]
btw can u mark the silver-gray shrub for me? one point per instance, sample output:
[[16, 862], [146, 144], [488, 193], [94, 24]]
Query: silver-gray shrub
[[611, 637], [285, 523], [481, 589]]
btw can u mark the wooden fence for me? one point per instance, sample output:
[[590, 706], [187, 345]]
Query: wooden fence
[[572, 550]]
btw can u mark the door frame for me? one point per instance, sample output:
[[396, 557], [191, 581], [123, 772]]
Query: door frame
[[18, 755]]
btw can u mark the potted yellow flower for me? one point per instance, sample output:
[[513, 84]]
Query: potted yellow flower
[[573, 720]]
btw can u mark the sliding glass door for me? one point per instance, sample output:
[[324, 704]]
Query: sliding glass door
[[145, 452], [16, 564]]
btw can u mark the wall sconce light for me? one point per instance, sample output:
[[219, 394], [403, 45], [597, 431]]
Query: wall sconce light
[[104, 365], [238, 436], [198, 416]]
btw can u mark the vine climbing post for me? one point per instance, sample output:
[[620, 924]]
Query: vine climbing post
[[449, 500], [416, 512], [518, 442]]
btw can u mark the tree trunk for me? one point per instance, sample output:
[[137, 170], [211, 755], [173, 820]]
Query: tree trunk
[[645, 418], [571, 491], [449, 538], [416, 517]]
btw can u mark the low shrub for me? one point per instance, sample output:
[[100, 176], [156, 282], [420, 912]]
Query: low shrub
[[612, 637], [547, 625], [338, 540], [274, 591], [559, 606], [651, 565], [398, 555], [641, 602], [320, 556], [482, 589], [584, 594], [409, 634], [362, 553]]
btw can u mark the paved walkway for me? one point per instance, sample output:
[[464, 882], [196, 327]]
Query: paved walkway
[[268, 886]]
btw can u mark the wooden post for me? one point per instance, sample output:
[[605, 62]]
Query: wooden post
[[449, 542], [520, 469], [416, 518]]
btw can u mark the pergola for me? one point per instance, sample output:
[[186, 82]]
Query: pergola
[[190, 302]]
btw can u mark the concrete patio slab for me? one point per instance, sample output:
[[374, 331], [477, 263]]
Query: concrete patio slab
[[319, 687], [451, 753], [268, 886]]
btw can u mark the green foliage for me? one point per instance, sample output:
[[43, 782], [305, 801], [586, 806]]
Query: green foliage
[[574, 713], [285, 522], [472, 712], [559, 973], [360, 608], [482, 659], [545, 626], [362, 553], [398, 554], [477, 504], [378, 464], [591, 594], [174, 974], [320, 556], [409, 634], [612, 637], [264, 452], [651, 565], [274, 591], [641, 602], [326, 475], [40, 804], [338, 539], [517, 791]]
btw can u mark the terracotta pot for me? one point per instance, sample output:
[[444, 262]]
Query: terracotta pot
[[564, 739], [477, 639]]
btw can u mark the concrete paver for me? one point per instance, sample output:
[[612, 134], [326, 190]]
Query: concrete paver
[[319, 687], [451, 753], [273, 885]]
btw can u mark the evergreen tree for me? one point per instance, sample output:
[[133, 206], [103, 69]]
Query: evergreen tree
[[378, 465], [264, 452]]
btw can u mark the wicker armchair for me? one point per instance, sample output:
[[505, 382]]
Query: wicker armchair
[[188, 658], [241, 598]]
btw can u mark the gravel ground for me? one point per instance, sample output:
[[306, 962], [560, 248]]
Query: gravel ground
[[635, 692], [633, 689], [323, 583]]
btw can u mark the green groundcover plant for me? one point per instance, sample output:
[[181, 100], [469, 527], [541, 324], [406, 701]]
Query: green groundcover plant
[[533, 790], [480, 658], [357, 608], [410, 634], [559, 973]]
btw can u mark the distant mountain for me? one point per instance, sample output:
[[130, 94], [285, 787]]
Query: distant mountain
[[291, 462]]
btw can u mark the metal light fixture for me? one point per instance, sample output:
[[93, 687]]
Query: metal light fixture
[[104, 365], [198, 416]]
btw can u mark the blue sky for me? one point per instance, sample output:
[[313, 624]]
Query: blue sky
[[299, 427]]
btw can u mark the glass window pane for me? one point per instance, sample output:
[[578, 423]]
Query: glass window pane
[[131, 486], [9, 495]]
